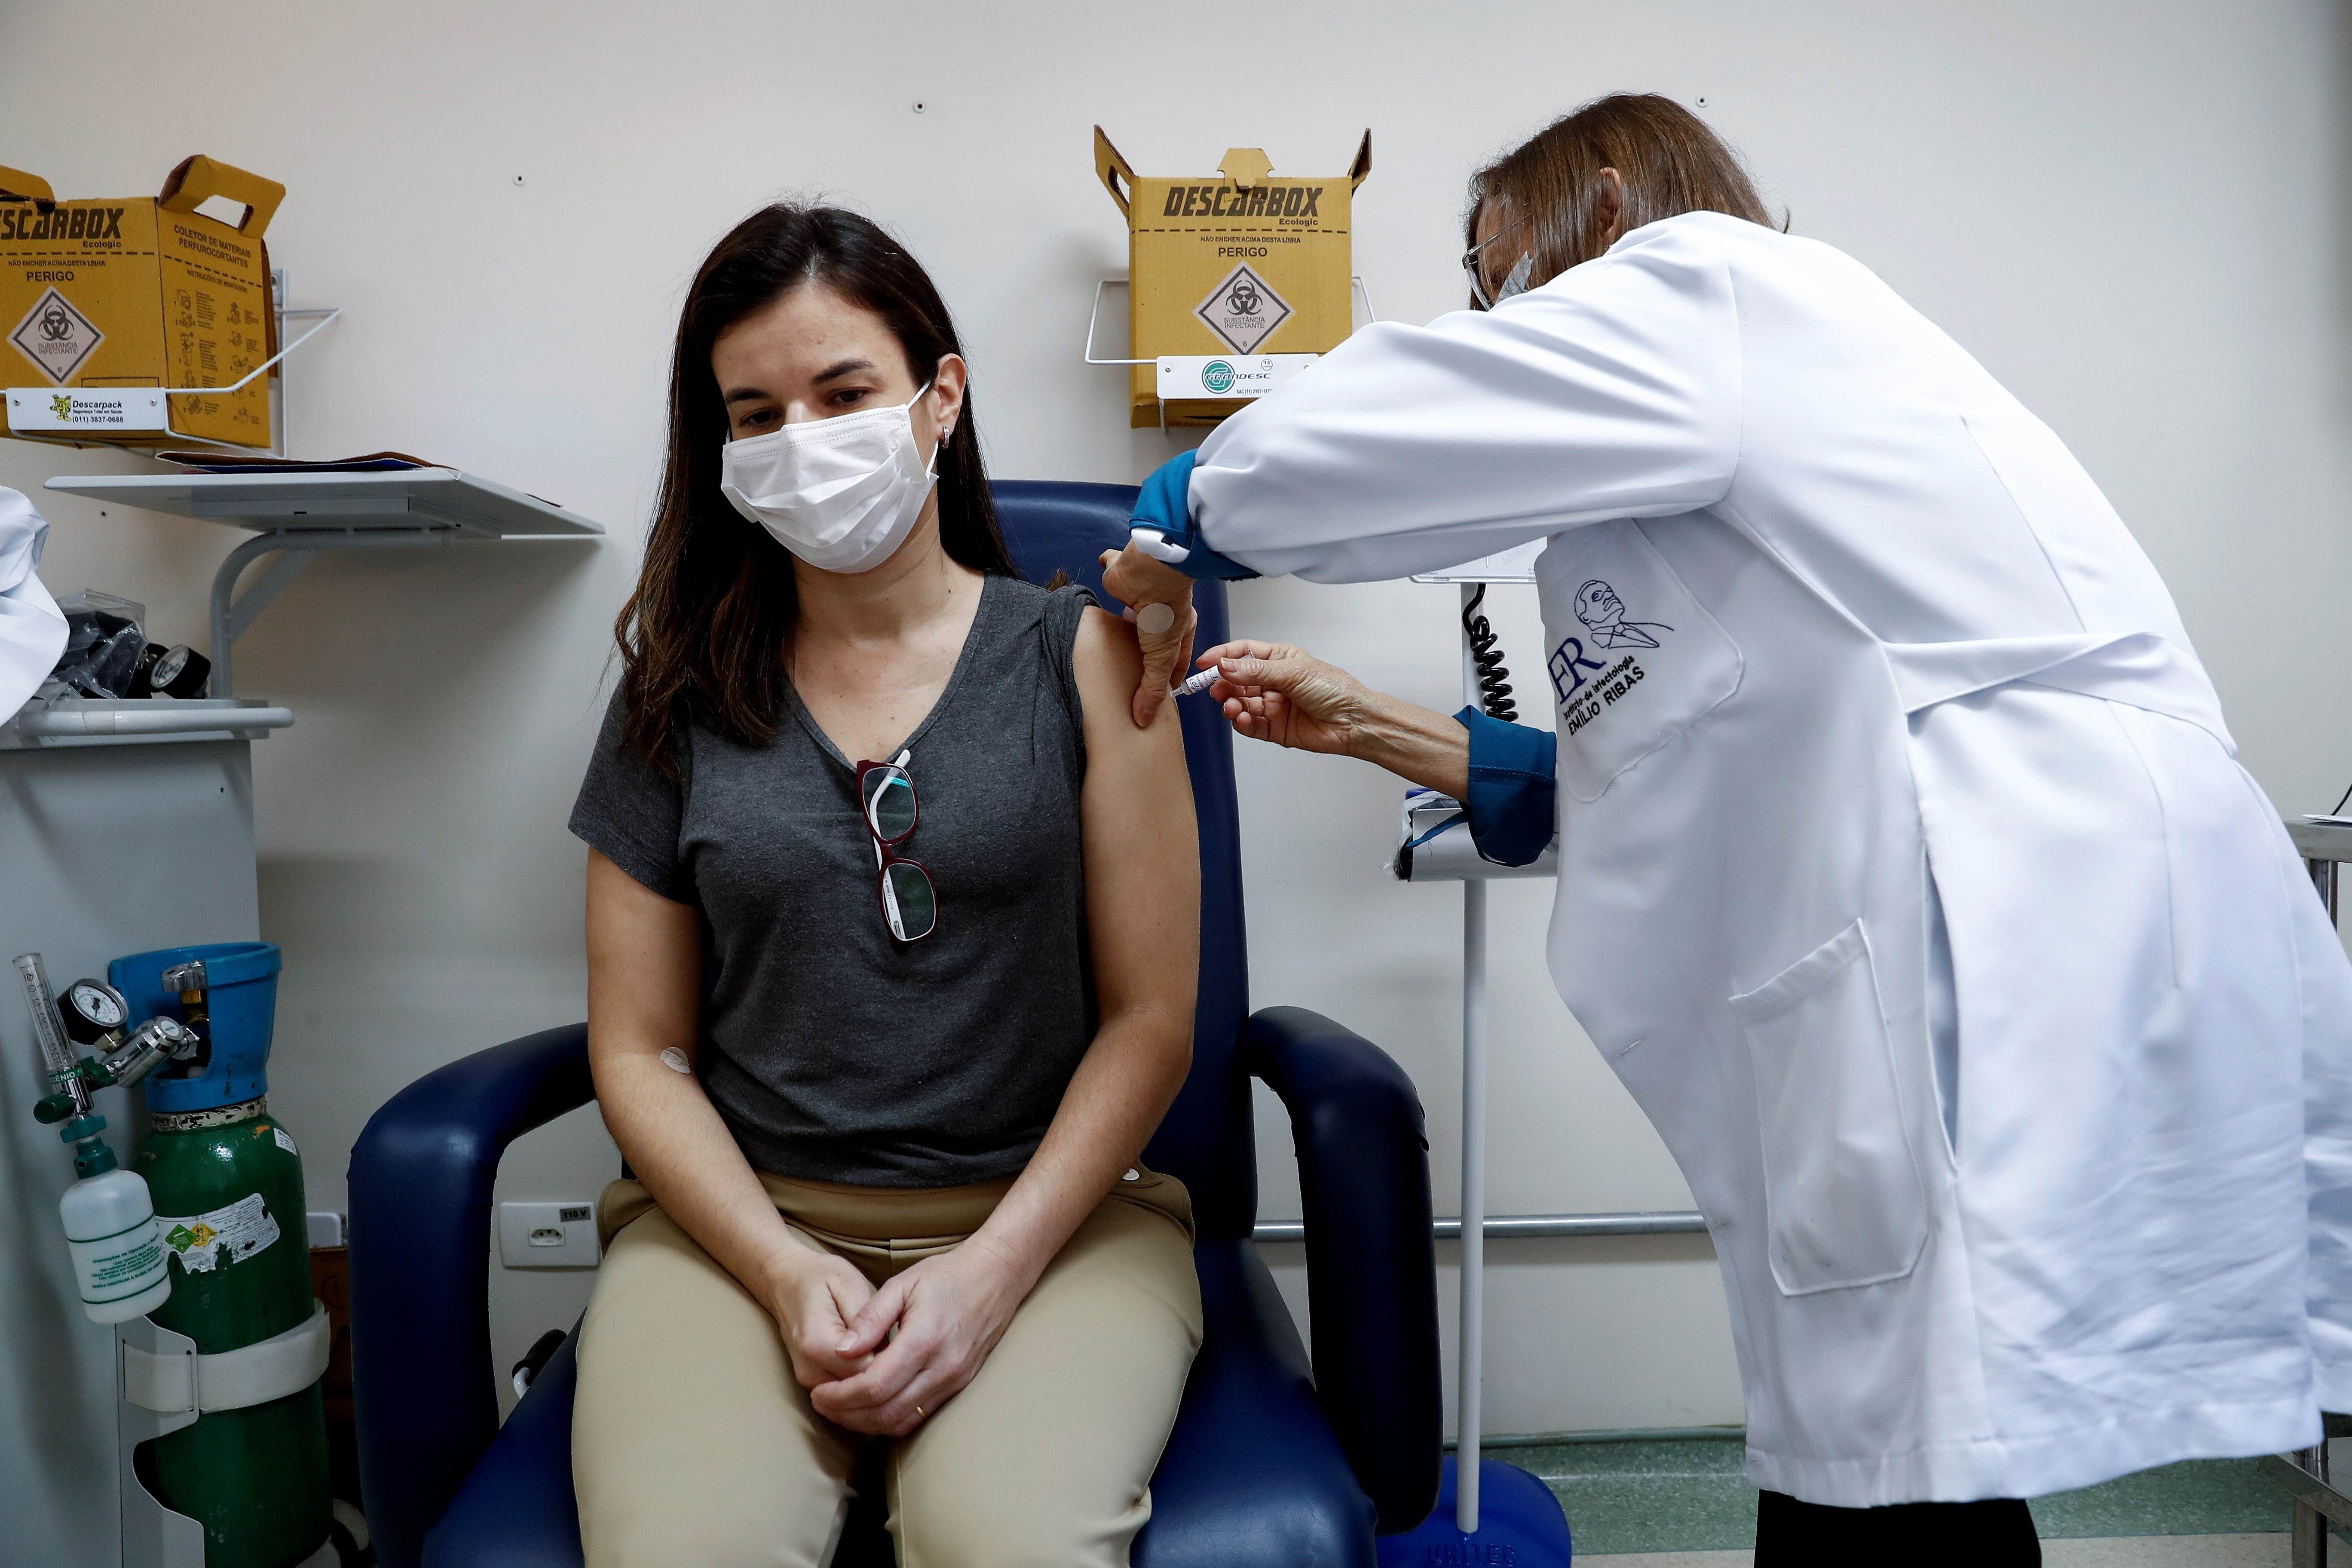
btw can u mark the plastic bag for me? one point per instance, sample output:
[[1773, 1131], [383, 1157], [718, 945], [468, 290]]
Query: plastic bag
[[104, 637]]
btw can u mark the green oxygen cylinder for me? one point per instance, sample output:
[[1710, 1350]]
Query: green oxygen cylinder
[[227, 1186], [228, 1196]]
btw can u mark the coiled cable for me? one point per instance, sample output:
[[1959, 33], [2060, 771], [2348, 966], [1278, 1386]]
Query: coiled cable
[[1494, 680]]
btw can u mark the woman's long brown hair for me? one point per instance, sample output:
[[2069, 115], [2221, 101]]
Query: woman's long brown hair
[[703, 637], [1670, 160]]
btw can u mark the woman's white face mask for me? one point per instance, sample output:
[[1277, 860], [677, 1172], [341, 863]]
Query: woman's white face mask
[[841, 493]]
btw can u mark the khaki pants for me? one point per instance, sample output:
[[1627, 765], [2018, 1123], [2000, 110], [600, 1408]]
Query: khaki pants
[[692, 1443]]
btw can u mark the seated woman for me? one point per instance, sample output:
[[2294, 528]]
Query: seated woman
[[881, 1040]]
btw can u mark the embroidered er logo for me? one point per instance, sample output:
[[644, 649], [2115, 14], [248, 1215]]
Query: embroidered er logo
[[1567, 666]]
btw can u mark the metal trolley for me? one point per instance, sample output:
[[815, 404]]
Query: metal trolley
[[2306, 1472]]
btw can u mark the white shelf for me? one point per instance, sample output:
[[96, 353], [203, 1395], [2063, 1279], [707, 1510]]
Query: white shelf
[[132, 721], [406, 498], [2320, 840], [296, 515]]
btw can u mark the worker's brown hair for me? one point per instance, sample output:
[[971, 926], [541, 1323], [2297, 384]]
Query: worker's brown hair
[[703, 637], [1669, 159]]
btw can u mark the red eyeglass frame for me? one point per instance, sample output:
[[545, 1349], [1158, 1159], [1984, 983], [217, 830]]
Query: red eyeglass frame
[[885, 851]]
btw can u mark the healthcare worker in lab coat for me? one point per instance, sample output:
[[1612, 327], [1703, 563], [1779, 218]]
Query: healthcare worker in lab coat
[[1906, 876]]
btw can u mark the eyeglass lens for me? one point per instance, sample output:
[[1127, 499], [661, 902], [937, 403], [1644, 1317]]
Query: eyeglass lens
[[908, 901], [890, 804]]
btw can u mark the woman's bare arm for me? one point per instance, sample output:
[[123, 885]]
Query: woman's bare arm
[[1143, 918], [645, 982]]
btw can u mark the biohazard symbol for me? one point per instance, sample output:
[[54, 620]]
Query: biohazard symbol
[[1243, 310], [55, 336]]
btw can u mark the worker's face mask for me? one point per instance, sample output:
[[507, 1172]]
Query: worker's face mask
[[1515, 283], [1474, 262], [841, 493]]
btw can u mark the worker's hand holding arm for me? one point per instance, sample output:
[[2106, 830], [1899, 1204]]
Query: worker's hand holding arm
[[1143, 583]]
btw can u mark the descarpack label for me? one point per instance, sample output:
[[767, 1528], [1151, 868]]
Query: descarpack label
[[229, 1234], [79, 408], [1217, 375]]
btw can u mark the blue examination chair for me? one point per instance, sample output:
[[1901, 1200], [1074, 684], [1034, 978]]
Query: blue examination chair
[[1271, 1465]]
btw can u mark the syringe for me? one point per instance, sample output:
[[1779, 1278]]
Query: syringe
[[1199, 683]]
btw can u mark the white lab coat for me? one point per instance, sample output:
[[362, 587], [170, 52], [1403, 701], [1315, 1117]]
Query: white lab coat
[[1836, 630], [32, 632]]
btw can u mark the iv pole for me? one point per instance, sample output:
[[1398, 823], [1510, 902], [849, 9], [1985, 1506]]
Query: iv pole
[[1515, 1520], [1470, 1369]]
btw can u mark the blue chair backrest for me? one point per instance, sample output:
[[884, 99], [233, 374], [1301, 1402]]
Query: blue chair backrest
[[1207, 1142]]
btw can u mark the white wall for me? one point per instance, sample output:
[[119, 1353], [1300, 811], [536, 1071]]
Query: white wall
[[2131, 214]]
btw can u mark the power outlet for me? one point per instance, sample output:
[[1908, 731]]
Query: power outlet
[[548, 1236]]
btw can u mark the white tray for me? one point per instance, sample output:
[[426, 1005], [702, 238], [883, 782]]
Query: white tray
[[274, 502]]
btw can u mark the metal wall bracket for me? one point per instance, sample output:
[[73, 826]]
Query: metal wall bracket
[[153, 1536], [295, 548]]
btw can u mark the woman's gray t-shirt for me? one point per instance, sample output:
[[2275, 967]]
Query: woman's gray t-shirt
[[833, 1052]]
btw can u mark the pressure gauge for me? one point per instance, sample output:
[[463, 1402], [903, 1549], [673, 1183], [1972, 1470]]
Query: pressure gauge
[[93, 1010], [180, 672], [175, 671]]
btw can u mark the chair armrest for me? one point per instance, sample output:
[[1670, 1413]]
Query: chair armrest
[[1371, 1267], [424, 1391]]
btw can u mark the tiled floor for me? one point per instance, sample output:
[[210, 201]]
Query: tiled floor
[[1666, 1502], [2268, 1551]]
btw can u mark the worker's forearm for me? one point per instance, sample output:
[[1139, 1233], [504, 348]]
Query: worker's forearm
[[679, 1148], [1124, 1085], [1415, 743]]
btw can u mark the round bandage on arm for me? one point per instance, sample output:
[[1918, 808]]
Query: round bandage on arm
[[1153, 620]]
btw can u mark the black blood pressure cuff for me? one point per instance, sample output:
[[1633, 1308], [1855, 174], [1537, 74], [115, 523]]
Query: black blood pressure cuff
[[1164, 507], [1514, 795]]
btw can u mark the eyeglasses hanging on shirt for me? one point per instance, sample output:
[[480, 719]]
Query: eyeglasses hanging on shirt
[[910, 905]]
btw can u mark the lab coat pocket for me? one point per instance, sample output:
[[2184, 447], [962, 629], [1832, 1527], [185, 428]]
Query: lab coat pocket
[[1633, 659], [1844, 1201]]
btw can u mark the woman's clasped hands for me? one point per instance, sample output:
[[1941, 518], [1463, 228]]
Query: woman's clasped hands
[[884, 1360]]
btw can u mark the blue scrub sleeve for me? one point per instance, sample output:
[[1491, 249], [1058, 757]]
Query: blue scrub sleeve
[[1513, 803], [1166, 504]]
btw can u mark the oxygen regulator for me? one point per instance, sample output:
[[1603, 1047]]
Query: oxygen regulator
[[96, 1016]]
